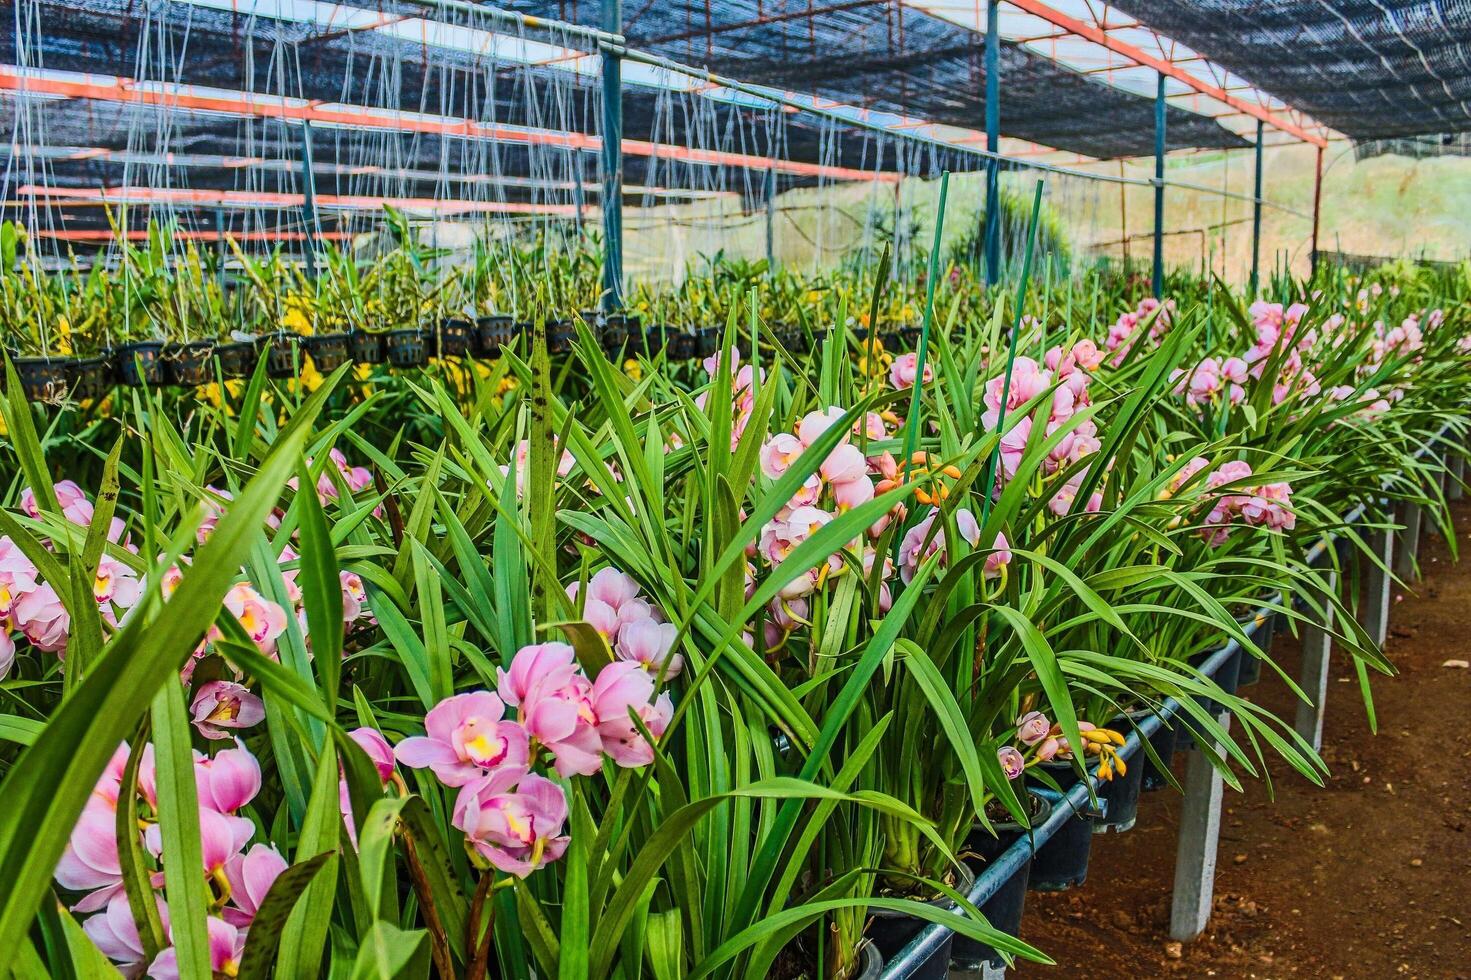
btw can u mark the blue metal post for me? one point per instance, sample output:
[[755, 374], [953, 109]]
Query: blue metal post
[[993, 143], [612, 163], [309, 200], [1159, 188], [1256, 214]]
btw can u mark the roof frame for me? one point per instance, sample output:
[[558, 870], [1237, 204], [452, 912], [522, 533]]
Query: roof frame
[[1165, 66]]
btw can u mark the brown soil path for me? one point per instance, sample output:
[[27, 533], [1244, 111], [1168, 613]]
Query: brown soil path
[[1367, 877]]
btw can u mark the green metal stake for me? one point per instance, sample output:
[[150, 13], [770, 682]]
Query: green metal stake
[[1021, 295], [911, 423]]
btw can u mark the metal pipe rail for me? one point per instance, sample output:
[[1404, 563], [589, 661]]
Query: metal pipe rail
[[990, 880]]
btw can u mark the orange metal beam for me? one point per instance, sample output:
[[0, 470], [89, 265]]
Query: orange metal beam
[[125, 90], [269, 199], [141, 234], [1097, 35]]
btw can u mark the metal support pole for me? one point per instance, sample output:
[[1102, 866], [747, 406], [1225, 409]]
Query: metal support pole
[[1256, 215], [1200, 834], [1317, 210], [1455, 478], [309, 200], [612, 162], [1159, 188], [222, 248], [1406, 561], [1317, 645], [770, 218], [1375, 614], [579, 193], [993, 143]]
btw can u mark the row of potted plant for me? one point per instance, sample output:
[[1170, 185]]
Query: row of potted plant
[[670, 673]]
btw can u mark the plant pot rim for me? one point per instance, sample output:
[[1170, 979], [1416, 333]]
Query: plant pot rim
[[1041, 805], [965, 878]]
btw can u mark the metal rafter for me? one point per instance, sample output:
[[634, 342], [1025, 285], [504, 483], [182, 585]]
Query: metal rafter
[[1102, 37]]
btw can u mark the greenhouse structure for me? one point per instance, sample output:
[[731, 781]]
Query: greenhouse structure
[[831, 489]]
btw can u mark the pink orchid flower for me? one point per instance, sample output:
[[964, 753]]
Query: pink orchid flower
[[779, 453], [115, 932], [228, 780], [222, 705], [650, 644], [466, 737], [517, 832], [226, 943], [17, 575], [1012, 763], [1032, 727], [250, 876], [540, 667], [905, 369], [90, 862], [814, 424], [622, 687], [262, 619], [43, 618]]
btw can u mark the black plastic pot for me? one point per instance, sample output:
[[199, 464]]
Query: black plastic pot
[[617, 328], [707, 341], [278, 349], [654, 338], [493, 334], [794, 338], [1004, 908], [892, 931], [89, 377], [238, 359], [1249, 671], [873, 963], [329, 351], [456, 335], [138, 363], [1227, 677], [1120, 795], [680, 345], [43, 379], [910, 333], [366, 346], [188, 364], [406, 347], [560, 334], [596, 322], [1163, 742], [1062, 862]]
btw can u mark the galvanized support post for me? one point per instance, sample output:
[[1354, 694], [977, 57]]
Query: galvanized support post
[[222, 249], [612, 162], [1375, 614], [770, 195], [1159, 188], [309, 200], [993, 143], [1455, 478], [1195, 851], [1405, 561], [579, 193], [1317, 211], [1256, 215], [1317, 645]]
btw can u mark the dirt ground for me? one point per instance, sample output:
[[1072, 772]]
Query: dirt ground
[[1367, 877]]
